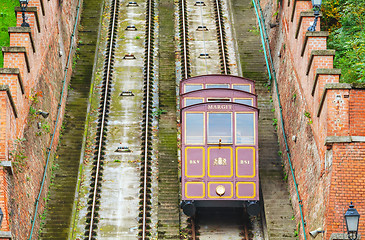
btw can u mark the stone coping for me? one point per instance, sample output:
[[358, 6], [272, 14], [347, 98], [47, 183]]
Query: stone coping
[[324, 52], [342, 236], [324, 71], [33, 10], [5, 235], [330, 86], [7, 89], [42, 8], [302, 15], [16, 72], [18, 50], [7, 165], [23, 30], [293, 10], [309, 34]]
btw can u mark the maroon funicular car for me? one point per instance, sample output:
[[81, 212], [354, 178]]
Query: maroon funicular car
[[219, 145]]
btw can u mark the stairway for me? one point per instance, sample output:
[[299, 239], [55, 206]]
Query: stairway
[[277, 205], [62, 191]]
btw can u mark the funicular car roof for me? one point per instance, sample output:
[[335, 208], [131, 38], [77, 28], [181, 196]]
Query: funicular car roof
[[216, 79]]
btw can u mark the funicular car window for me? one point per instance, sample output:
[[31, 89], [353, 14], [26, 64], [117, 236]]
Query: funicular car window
[[217, 85], [191, 101], [194, 128], [245, 128], [243, 87], [192, 87], [219, 128], [247, 101]]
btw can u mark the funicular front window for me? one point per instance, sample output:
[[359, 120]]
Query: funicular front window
[[245, 128], [247, 101], [217, 85], [219, 128], [243, 87], [193, 87], [194, 128], [191, 101]]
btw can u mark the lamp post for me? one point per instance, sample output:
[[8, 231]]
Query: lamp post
[[316, 7], [352, 222], [23, 6]]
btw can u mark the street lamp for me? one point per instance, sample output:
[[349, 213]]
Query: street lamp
[[42, 113], [352, 222], [23, 6], [316, 7]]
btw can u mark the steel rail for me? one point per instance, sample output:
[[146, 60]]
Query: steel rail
[[220, 28], [100, 142], [193, 232], [147, 132], [184, 35]]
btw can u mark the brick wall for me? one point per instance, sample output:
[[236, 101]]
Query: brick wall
[[31, 80], [324, 119]]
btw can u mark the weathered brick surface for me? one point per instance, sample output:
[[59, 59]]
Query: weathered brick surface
[[357, 113], [24, 140], [347, 185], [324, 120]]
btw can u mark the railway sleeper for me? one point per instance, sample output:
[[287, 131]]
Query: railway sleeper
[[97, 202], [148, 179], [149, 169], [88, 216], [148, 227], [148, 214], [97, 207], [87, 233], [148, 220]]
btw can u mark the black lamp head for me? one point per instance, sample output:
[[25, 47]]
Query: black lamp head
[[23, 4], [43, 114]]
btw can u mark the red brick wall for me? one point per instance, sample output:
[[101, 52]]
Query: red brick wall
[[357, 114], [317, 110], [347, 185], [42, 84]]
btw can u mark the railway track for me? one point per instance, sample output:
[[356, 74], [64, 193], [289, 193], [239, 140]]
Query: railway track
[[97, 173], [94, 203], [184, 36], [145, 196]]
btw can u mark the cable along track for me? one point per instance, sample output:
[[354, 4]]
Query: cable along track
[[221, 34], [92, 217]]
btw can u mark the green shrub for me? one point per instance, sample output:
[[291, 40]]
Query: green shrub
[[345, 20], [7, 19]]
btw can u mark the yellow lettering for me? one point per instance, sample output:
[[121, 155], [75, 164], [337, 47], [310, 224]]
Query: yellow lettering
[[244, 161]]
